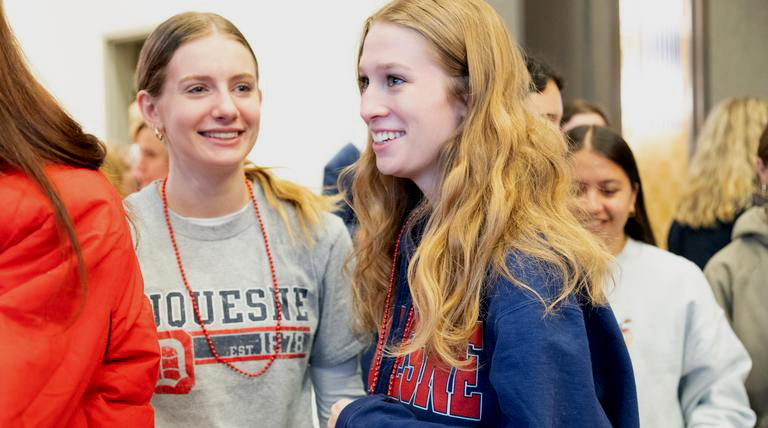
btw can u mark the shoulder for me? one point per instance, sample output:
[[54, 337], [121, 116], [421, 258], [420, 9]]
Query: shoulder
[[741, 257], [644, 266], [143, 199], [330, 237], [534, 282], [82, 191], [641, 257]]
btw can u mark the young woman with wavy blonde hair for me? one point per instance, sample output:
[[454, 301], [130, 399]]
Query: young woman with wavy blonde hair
[[484, 290], [721, 179]]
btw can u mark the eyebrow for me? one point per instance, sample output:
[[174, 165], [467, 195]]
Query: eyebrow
[[389, 66], [206, 77]]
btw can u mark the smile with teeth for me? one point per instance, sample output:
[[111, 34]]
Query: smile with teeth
[[220, 135], [385, 136]]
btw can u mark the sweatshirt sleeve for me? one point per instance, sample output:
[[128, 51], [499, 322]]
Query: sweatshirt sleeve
[[720, 278], [335, 340], [715, 365], [541, 368]]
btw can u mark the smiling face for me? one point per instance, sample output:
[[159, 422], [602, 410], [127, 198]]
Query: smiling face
[[208, 109], [406, 103], [605, 196]]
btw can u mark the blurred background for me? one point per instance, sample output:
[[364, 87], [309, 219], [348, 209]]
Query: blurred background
[[656, 67]]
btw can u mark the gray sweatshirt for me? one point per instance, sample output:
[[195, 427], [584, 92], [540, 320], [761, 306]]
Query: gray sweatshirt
[[739, 277], [227, 268]]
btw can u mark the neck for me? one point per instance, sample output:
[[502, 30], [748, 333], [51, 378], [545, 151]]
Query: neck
[[427, 186], [617, 245], [206, 196]]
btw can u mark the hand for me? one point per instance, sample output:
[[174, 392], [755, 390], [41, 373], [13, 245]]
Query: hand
[[336, 411]]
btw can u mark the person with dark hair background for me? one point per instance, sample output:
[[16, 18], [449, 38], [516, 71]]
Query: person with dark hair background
[[546, 89], [738, 275], [689, 365], [78, 345], [580, 113]]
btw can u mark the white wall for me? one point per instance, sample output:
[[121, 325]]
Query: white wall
[[306, 52]]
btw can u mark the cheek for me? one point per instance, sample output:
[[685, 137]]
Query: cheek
[[618, 210]]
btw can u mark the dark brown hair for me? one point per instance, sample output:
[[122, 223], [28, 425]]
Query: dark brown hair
[[37, 132], [762, 146], [579, 106]]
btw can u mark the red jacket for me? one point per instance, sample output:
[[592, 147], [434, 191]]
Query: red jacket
[[68, 357]]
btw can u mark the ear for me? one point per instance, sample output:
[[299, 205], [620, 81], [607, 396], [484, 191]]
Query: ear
[[762, 171], [149, 110]]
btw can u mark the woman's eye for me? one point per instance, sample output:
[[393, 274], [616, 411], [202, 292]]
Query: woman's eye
[[242, 87], [196, 89], [362, 82], [609, 192], [394, 81]]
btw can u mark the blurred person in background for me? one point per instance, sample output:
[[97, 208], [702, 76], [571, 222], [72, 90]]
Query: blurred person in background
[[546, 90], [152, 161], [581, 112], [78, 345], [721, 179], [739, 277], [689, 365]]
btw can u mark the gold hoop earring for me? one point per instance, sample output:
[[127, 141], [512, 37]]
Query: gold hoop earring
[[159, 134]]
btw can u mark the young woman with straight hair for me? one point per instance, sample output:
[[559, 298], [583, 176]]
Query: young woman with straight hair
[[689, 365], [244, 271]]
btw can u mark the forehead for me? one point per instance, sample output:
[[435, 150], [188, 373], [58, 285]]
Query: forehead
[[210, 55], [590, 166], [392, 43]]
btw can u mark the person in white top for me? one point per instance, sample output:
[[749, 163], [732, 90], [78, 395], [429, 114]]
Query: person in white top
[[689, 365]]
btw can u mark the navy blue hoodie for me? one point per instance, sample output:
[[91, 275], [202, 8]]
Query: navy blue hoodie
[[569, 368]]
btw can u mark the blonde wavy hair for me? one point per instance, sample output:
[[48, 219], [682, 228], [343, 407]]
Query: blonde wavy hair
[[504, 187], [155, 55], [721, 176]]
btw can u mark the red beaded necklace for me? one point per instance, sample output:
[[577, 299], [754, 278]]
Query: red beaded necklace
[[215, 353], [383, 328]]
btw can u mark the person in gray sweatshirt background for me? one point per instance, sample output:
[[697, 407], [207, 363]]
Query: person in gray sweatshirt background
[[244, 271], [738, 275]]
